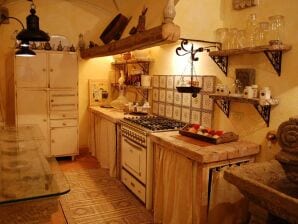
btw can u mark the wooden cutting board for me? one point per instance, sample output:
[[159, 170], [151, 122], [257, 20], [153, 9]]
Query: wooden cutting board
[[192, 140]]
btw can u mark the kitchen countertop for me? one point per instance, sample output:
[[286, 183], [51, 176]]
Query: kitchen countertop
[[111, 114], [203, 152]]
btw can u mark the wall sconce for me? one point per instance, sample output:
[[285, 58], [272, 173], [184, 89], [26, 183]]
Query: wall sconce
[[32, 33]]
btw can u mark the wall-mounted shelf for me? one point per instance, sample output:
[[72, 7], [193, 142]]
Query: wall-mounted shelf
[[224, 101], [149, 38], [131, 86], [272, 52]]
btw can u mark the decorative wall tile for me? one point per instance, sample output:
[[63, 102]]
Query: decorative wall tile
[[186, 98], [155, 81], [155, 95], [177, 98], [177, 79], [207, 103], [161, 109], [162, 81], [208, 84], [195, 116], [167, 101], [170, 82], [197, 102], [169, 96], [177, 113], [162, 95], [169, 110], [185, 115], [155, 108], [206, 119]]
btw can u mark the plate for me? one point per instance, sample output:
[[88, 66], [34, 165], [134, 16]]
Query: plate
[[55, 40]]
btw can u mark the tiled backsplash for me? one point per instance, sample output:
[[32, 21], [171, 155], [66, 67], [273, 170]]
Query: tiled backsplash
[[167, 101]]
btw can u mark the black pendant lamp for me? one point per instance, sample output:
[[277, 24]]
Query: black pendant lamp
[[25, 51], [32, 33]]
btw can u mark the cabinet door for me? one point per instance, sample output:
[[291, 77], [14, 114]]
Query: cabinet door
[[63, 69], [32, 108], [64, 141], [31, 71]]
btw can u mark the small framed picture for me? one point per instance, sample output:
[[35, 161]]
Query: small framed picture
[[98, 91]]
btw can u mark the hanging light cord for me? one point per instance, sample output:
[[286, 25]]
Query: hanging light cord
[[3, 18]]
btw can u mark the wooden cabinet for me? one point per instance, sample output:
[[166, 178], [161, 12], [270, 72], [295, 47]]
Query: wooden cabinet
[[31, 71], [46, 93]]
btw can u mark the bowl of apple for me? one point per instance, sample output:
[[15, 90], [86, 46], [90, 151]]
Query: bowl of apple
[[207, 134]]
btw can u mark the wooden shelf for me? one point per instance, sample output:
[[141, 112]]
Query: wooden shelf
[[272, 52], [149, 38], [250, 50], [263, 108], [131, 86], [131, 61]]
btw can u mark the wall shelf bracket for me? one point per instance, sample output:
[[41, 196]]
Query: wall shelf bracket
[[275, 59], [264, 111], [222, 62], [224, 105]]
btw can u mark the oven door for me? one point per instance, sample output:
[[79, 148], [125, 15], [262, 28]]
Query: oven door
[[133, 158]]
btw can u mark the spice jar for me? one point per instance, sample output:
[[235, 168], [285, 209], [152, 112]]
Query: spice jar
[[265, 93], [248, 92], [255, 91]]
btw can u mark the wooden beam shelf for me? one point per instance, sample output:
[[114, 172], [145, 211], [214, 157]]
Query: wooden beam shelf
[[272, 52], [156, 36], [263, 108]]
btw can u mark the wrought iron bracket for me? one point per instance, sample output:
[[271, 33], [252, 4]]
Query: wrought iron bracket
[[222, 63], [224, 105], [264, 111], [275, 59]]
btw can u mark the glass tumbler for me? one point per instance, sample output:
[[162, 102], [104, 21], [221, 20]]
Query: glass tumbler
[[233, 42], [277, 25], [222, 37], [251, 28], [262, 33]]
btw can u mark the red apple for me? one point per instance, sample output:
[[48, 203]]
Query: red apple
[[196, 126], [219, 132]]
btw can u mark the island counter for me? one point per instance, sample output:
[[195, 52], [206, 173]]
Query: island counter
[[187, 172]]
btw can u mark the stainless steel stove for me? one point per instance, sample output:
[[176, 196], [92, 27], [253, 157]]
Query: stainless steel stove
[[155, 123], [137, 152]]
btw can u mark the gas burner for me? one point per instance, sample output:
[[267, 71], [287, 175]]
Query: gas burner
[[156, 123]]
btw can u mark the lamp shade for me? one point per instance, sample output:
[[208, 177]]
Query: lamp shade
[[25, 51], [32, 33]]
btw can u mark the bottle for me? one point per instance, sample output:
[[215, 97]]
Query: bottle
[[121, 80], [251, 28], [81, 42]]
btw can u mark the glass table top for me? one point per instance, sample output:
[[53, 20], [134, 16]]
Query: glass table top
[[25, 172]]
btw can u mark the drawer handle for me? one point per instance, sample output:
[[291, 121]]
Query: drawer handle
[[64, 124], [52, 101], [132, 184], [51, 70], [43, 69], [53, 141], [63, 115]]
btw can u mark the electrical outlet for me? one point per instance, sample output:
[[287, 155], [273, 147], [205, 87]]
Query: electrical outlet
[[3, 15]]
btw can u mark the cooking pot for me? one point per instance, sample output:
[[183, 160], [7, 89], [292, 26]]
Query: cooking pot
[[115, 29]]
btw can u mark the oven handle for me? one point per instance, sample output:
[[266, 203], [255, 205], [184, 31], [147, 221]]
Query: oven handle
[[133, 144]]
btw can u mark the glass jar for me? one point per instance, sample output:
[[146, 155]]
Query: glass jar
[[251, 28], [221, 35], [232, 38], [277, 25], [262, 33], [241, 39]]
